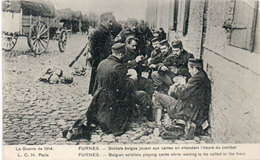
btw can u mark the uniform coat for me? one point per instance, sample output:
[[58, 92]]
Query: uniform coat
[[193, 100], [113, 97], [156, 57], [100, 48]]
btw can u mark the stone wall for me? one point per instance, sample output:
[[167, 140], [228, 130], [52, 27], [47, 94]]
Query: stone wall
[[235, 80], [234, 72]]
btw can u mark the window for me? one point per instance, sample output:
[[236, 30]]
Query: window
[[186, 17], [183, 16], [243, 26], [175, 14]]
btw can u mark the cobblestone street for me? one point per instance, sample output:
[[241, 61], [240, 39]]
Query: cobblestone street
[[36, 112]]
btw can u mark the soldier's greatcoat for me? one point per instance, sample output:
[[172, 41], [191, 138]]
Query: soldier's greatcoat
[[193, 100], [100, 48], [113, 97]]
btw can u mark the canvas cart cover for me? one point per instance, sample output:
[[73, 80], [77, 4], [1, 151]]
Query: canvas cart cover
[[69, 15], [42, 8]]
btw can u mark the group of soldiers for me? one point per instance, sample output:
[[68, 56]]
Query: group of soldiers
[[139, 75]]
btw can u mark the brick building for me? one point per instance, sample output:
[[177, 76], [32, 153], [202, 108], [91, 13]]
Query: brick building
[[225, 34]]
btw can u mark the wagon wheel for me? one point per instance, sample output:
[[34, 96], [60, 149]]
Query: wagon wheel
[[8, 41], [62, 41], [38, 38]]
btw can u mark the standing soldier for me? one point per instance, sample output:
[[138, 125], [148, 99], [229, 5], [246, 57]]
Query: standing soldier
[[130, 30], [100, 44]]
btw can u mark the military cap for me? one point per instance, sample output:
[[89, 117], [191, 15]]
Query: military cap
[[130, 38], [164, 42], [196, 62], [131, 21], [118, 47], [155, 39], [177, 44]]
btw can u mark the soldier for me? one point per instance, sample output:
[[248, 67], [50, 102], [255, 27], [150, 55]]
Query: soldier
[[162, 34], [115, 96], [116, 29], [100, 44], [192, 102], [133, 59], [156, 75], [130, 30], [156, 34], [146, 35], [173, 65], [143, 28], [156, 56]]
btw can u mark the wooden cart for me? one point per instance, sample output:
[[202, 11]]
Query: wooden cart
[[35, 27]]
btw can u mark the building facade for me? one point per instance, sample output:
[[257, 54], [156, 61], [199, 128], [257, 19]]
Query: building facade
[[225, 34]]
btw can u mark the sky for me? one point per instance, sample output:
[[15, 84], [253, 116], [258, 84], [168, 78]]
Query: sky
[[122, 9]]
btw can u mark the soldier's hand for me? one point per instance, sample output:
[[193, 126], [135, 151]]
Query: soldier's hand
[[139, 59], [164, 68], [174, 70]]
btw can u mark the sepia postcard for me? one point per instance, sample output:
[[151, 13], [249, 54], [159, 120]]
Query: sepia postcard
[[130, 79]]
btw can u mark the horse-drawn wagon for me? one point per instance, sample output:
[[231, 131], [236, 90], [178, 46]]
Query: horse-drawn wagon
[[32, 19]]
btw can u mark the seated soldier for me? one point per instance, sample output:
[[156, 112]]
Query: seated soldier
[[165, 51], [156, 53], [192, 103], [133, 60], [115, 95], [132, 57], [173, 65]]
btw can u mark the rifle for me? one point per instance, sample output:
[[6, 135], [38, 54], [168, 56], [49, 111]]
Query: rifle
[[82, 51]]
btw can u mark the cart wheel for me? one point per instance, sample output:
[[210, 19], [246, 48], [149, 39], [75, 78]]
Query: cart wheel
[[62, 41], [38, 38], [8, 41]]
